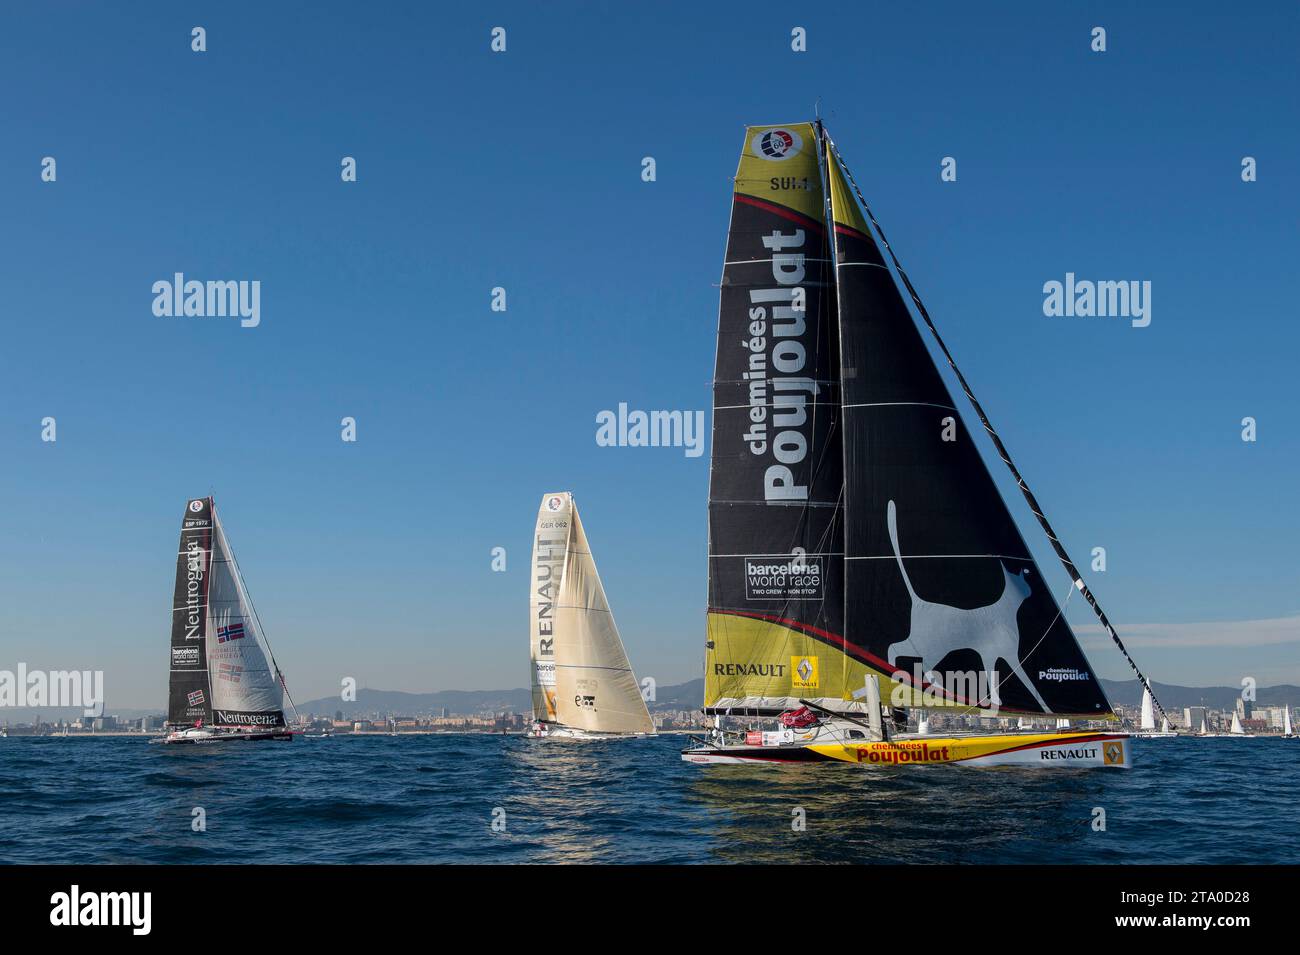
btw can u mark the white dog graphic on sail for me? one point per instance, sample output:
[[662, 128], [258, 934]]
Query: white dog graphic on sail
[[991, 631]]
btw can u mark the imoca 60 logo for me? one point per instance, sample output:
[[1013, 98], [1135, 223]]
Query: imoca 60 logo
[[776, 144]]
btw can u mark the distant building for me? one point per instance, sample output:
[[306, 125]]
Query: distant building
[[1245, 708]]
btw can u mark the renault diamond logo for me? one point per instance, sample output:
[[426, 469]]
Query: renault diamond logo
[[1113, 754], [803, 673]]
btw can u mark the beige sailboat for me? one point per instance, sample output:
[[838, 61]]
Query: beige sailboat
[[583, 686]]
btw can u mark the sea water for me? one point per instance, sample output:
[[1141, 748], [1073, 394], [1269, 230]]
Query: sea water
[[506, 799]]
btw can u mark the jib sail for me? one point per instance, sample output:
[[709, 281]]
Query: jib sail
[[942, 593]]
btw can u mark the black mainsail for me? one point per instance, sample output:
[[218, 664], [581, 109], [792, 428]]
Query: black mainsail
[[775, 568], [189, 697], [854, 531]]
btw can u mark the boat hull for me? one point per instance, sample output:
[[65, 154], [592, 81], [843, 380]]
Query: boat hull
[[1054, 750], [195, 740], [582, 735]]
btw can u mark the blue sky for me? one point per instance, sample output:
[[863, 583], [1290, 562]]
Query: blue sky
[[522, 170]]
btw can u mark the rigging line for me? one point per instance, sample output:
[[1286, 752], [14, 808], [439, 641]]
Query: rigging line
[[1064, 557]]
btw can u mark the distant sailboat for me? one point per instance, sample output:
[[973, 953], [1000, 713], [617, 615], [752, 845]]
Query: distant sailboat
[[857, 541], [1147, 728], [1287, 732], [582, 683], [1237, 728], [225, 685]]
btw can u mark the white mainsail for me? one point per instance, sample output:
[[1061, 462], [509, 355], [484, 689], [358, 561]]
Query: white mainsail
[[1237, 729], [579, 664], [1148, 711], [245, 687], [1286, 721], [1164, 725]]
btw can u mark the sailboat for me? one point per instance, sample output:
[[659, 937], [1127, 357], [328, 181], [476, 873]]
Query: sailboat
[[861, 559], [1287, 732], [1237, 728], [225, 684], [1147, 728], [582, 683]]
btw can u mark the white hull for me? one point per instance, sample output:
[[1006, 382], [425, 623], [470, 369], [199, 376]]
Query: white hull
[[206, 737], [550, 731]]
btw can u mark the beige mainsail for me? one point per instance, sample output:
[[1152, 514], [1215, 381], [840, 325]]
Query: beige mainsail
[[592, 686]]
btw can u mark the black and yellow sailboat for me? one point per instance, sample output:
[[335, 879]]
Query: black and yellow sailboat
[[861, 559]]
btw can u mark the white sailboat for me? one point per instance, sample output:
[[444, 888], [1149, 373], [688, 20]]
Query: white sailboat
[[583, 686], [1147, 728], [225, 685], [1287, 732], [1237, 728]]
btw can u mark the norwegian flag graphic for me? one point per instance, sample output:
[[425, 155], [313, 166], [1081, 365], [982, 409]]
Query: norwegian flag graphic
[[196, 698], [233, 632], [229, 672]]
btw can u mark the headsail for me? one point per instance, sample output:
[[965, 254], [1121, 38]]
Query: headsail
[[221, 669], [246, 690], [939, 583], [775, 570], [1148, 711], [592, 686]]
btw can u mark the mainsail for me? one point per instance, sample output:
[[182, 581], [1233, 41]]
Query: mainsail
[[581, 675], [776, 573], [854, 530], [222, 671]]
